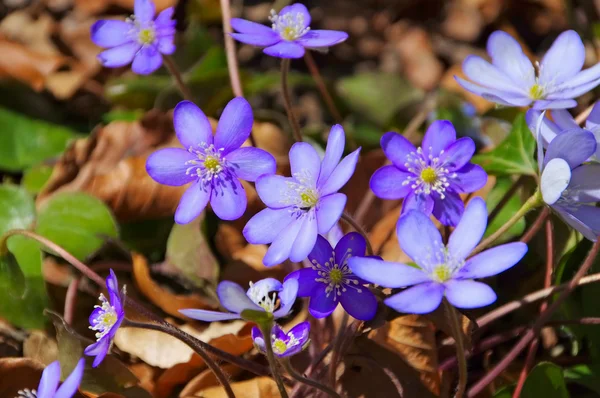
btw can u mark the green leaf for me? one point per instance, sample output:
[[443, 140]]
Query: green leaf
[[514, 156], [34, 178], [378, 96], [545, 380], [25, 142], [123, 115], [148, 237], [76, 221], [585, 375], [503, 184], [505, 392]]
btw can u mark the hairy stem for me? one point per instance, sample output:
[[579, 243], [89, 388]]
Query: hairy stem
[[348, 218], [287, 99], [335, 352], [455, 326], [266, 331], [305, 380], [232, 64], [174, 71]]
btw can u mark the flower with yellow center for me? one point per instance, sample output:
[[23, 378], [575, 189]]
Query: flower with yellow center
[[146, 36]]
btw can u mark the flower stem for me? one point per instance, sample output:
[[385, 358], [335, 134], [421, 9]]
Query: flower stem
[[287, 99], [348, 218], [71, 300], [266, 331], [335, 352], [232, 64], [174, 71], [455, 326], [305, 380], [534, 201], [190, 341], [509, 194]]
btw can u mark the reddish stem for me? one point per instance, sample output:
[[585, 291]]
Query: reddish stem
[[537, 224], [71, 300]]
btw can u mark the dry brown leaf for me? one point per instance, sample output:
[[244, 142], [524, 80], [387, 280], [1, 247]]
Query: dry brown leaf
[[41, 348], [145, 373], [169, 302], [259, 387], [20, 27], [98, 6], [205, 380]]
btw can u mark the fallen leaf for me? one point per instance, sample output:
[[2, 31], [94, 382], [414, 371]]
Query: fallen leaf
[[41, 348], [259, 387], [205, 380]]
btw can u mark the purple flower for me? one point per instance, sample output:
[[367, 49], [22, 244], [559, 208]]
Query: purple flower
[[262, 296], [284, 344], [304, 205], [442, 270], [214, 165], [48, 387], [511, 78], [289, 35], [106, 319], [330, 281], [569, 187], [431, 177], [140, 39]]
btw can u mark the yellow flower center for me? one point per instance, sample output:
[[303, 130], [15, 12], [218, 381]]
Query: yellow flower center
[[336, 276], [442, 273], [309, 198], [536, 92], [428, 175], [146, 36], [108, 319], [212, 163], [289, 33], [279, 346]]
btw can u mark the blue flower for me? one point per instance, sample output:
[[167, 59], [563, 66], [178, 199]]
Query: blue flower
[[511, 77], [442, 270], [304, 205], [141, 39], [330, 281], [261, 296], [48, 387], [284, 344], [289, 35], [431, 177], [106, 319], [214, 165]]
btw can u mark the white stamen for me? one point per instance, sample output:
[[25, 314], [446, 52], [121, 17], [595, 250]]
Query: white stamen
[[260, 296], [290, 26], [337, 277], [106, 318], [26, 393]]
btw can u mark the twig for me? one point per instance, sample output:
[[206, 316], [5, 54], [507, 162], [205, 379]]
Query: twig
[[71, 300], [287, 99], [536, 226], [305, 380], [174, 71], [232, 64], [348, 218], [309, 371], [455, 326]]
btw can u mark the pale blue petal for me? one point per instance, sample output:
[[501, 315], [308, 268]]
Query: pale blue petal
[[144, 10], [305, 242], [493, 95], [228, 200], [585, 183], [583, 218], [250, 163], [388, 183], [439, 135], [555, 179], [209, 316], [235, 125], [285, 49], [297, 10], [49, 381], [192, 203], [485, 74], [329, 211], [507, 55], [469, 230], [420, 299], [280, 249], [146, 61], [558, 103], [234, 298], [71, 384], [245, 26], [259, 40], [275, 190], [288, 297], [266, 225], [493, 261], [397, 149], [322, 38], [305, 162], [469, 294], [563, 60], [119, 56], [168, 166], [340, 175], [421, 202], [385, 273], [191, 125], [333, 152], [574, 146], [110, 33], [420, 239]]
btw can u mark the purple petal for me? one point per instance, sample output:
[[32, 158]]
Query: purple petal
[[229, 201], [558, 104], [119, 56], [301, 333], [563, 120], [322, 38], [498, 96], [281, 247], [99, 350], [555, 179], [191, 125], [297, 10], [250, 163], [548, 129], [274, 190], [421, 202], [110, 33], [574, 146], [329, 211], [352, 244], [586, 183], [420, 299], [258, 339], [458, 153], [507, 55], [305, 162], [322, 304], [164, 18], [235, 125], [307, 237], [259, 40], [341, 174], [583, 218], [245, 26], [209, 316], [285, 49], [493, 261], [287, 296], [192, 203], [49, 381], [388, 183], [482, 72], [361, 305], [146, 61], [563, 60], [168, 166], [306, 281], [71, 384], [144, 10], [385, 273], [266, 225], [419, 238], [397, 148], [469, 294], [166, 45], [333, 152], [582, 82], [322, 252], [593, 120], [234, 298], [112, 285], [438, 137], [448, 210], [469, 178], [469, 230]]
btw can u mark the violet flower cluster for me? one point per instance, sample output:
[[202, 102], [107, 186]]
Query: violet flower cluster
[[48, 387]]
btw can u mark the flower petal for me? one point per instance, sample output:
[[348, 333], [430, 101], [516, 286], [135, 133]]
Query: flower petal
[[469, 230], [385, 273], [166, 45], [49, 381], [388, 183], [586, 183], [274, 190], [281, 247], [449, 209], [498, 96], [110, 33], [71, 384], [548, 129], [419, 238], [229, 201], [352, 244], [507, 55], [421, 202], [458, 153], [564, 59], [146, 61], [287, 296], [245, 26], [306, 239], [469, 294], [584, 219], [329, 211], [322, 252], [559, 103], [306, 281], [574, 146], [168, 166], [493, 261], [165, 18], [301, 333], [259, 40], [250, 163], [322, 303], [192, 203], [209, 316], [191, 125], [593, 120], [99, 350], [582, 82], [341, 174], [235, 125], [144, 10], [439, 135], [266, 225], [322, 38], [482, 72], [360, 304], [119, 56], [396, 149], [305, 162], [555, 179], [333, 152], [298, 11], [420, 299], [469, 178], [285, 49], [234, 298]]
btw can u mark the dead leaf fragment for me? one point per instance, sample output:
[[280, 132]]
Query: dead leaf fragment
[[20, 63], [259, 387], [40, 347], [205, 380]]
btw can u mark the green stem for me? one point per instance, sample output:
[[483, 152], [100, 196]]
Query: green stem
[[305, 380], [455, 326], [534, 201], [174, 71], [287, 99], [266, 331]]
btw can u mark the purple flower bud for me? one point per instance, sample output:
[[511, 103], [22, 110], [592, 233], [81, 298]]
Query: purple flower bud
[[284, 344]]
